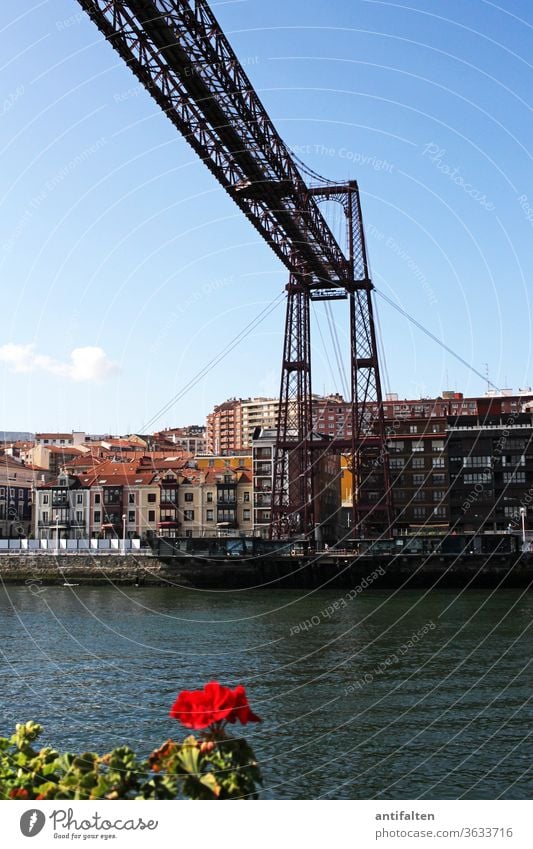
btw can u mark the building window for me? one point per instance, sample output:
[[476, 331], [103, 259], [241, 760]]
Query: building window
[[151, 515], [189, 497], [97, 499], [188, 515], [79, 498], [247, 496], [226, 516], [439, 512], [79, 515], [437, 445], [209, 498], [438, 494], [151, 497], [476, 462], [396, 463], [514, 477], [419, 512], [418, 479], [413, 428], [418, 446], [418, 463], [419, 495], [45, 497], [478, 477], [97, 516], [45, 515], [131, 515], [513, 460], [112, 495], [515, 443], [438, 462], [439, 478], [210, 516], [246, 515], [396, 446], [131, 498]]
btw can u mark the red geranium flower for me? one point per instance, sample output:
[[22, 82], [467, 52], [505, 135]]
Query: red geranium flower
[[215, 703], [241, 708], [19, 793]]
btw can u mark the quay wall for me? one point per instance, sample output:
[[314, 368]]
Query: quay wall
[[303, 572]]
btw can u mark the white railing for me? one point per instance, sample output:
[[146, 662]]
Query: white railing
[[72, 546]]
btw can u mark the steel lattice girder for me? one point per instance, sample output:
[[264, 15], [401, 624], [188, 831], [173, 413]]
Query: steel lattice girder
[[178, 51]]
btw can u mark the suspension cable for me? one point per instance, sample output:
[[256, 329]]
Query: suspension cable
[[435, 339], [217, 359]]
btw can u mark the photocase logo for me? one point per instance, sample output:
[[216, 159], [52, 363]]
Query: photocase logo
[[32, 822]]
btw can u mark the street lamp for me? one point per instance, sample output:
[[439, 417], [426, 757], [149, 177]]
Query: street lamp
[[123, 534], [523, 512], [57, 534]]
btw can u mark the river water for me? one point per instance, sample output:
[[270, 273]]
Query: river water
[[414, 694]]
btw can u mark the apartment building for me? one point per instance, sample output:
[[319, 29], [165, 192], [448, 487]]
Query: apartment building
[[61, 509], [212, 502], [258, 412], [493, 402], [418, 463], [192, 438], [231, 425], [53, 457], [327, 488], [77, 437], [224, 427], [16, 485], [491, 472]]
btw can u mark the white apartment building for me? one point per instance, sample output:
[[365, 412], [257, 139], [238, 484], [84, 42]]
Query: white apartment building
[[61, 510], [61, 440], [258, 412]]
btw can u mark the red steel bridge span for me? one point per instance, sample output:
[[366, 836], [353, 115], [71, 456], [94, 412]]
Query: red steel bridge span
[[179, 53]]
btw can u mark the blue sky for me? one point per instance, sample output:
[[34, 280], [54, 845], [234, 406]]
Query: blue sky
[[118, 245]]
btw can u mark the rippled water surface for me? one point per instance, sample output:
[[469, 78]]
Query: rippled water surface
[[407, 695]]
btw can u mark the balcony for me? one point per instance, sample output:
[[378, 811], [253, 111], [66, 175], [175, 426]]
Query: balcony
[[62, 524], [112, 521]]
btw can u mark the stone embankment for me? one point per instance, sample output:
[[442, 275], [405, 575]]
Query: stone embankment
[[324, 570]]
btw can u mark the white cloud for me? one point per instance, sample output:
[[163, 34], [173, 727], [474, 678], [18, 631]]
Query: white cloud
[[86, 364], [19, 356]]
